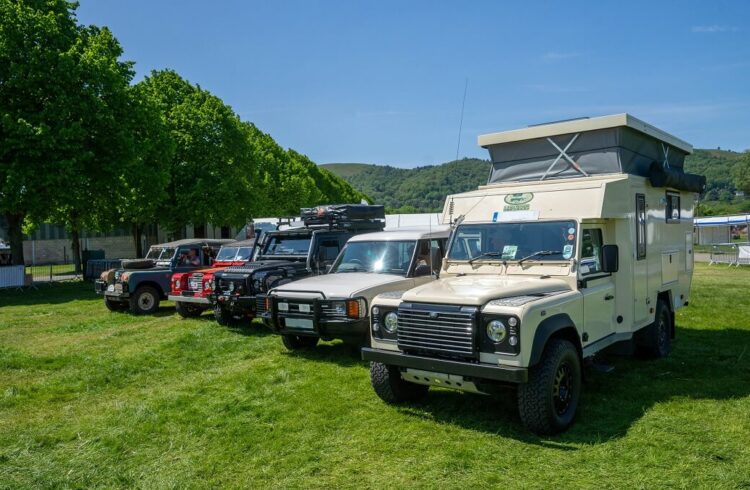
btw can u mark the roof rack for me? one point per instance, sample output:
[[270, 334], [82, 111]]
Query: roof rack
[[345, 216]]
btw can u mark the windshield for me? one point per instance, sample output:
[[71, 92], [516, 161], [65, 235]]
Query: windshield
[[383, 257], [287, 245], [158, 253], [244, 253], [514, 241], [227, 253]]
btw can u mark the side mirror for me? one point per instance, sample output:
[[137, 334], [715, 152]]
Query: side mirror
[[610, 258], [422, 270]]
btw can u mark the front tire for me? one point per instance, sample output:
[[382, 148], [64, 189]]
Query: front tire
[[391, 388], [145, 301], [223, 316], [548, 402], [186, 310], [298, 342], [114, 305]]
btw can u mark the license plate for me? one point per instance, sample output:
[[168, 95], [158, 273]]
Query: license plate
[[304, 308], [283, 306], [111, 288], [301, 323]]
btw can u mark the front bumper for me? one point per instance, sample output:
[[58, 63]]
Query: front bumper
[[507, 374], [317, 322], [117, 291], [199, 300], [235, 304]]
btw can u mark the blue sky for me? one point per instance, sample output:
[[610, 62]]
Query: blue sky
[[382, 82]]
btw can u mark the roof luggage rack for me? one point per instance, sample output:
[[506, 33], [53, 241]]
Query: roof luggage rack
[[345, 216]]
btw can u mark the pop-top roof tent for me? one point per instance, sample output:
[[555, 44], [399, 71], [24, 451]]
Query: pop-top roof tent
[[618, 143]]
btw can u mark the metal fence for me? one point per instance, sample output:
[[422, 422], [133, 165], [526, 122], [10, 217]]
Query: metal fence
[[736, 254]]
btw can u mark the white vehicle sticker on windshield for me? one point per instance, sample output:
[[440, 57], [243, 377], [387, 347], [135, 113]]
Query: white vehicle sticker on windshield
[[509, 252], [567, 251], [571, 231]]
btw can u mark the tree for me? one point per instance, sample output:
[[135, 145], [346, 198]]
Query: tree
[[212, 170], [62, 93], [741, 173]]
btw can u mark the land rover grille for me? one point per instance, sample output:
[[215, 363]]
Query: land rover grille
[[445, 331]]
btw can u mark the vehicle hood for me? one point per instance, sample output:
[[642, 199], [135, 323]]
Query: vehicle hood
[[478, 290], [342, 285]]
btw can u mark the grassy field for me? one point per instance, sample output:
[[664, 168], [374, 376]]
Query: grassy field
[[91, 398]]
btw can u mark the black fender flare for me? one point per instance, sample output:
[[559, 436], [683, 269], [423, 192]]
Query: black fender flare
[[545, 331]]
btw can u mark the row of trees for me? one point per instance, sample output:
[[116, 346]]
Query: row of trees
[[85, 147]]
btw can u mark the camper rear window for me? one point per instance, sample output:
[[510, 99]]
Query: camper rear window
[[673, 207]]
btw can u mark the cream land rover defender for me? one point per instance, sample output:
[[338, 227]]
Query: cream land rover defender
[[581, 239]]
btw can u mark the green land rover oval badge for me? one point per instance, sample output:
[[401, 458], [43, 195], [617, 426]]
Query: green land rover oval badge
[[519, 198]]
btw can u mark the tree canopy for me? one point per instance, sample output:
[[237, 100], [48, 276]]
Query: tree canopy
[[84, 147]]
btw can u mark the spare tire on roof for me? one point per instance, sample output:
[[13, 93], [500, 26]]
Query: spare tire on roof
[[137, 264]]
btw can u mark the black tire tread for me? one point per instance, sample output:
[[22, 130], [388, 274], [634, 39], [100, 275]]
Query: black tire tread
[[391, 388], [114, 305], [533, 396], [133, 301]]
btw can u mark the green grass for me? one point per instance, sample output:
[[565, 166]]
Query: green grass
[[90, 398]]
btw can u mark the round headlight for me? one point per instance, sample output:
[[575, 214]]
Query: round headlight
[[375, 311], [177, 284], [496, 331], [207, 285], [391, 322], [512, 321]]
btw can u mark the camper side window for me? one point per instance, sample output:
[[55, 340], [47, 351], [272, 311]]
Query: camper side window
[[640, 226], [673, 207], [591, 251]]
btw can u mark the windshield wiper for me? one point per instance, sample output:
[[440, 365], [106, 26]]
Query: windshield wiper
[[539, 253], [485, 254]]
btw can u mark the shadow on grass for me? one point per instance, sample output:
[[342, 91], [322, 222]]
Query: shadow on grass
[[704, 365], [341, 353], [51, 293]]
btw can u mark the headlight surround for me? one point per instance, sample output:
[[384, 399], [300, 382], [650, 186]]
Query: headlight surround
[[124, 276], [497, 331], [177, 284], [207, 285], [390, 322]]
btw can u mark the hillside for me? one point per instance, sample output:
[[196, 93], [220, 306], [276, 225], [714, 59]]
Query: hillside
[[423, 189], [411, 190]]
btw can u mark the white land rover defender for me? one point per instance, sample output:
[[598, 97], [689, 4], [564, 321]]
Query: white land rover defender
[[335, 305], [582, 238]]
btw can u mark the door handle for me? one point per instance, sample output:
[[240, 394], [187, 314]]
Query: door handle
[[609, 297]]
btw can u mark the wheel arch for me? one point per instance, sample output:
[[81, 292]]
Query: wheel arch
[[152, 284], [557, 326]]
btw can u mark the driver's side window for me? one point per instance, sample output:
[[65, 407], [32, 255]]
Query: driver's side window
[[591, 251]]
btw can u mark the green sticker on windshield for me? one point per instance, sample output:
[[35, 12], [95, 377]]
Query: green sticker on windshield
[[567, 251], [509, 252]]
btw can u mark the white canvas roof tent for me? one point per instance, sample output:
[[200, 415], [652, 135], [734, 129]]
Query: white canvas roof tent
[[618, 143]]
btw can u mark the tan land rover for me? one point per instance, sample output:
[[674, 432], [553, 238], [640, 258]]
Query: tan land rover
[[582, 239]]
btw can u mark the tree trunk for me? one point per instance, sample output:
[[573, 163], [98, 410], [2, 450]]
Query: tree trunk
[[15, 235], [137, 230], [76, 247]]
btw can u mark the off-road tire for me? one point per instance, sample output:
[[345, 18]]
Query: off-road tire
[[114, 305], [299, 342], [187, 310], [137, 264], [391, 388], [144, 301], [223, 316], [655, 340], [544, 408]]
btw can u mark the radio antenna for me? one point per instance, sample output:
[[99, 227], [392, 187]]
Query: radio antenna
[[461, 121]]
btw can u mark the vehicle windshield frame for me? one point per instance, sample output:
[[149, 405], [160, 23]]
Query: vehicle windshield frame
[[395, 272], [286, 236], [219, 258], [571, 222], [161, 257]]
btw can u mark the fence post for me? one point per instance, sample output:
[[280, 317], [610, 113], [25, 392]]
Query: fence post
[[50, 273]]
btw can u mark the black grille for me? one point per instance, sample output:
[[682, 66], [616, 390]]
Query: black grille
[[260, 305], [296, 307], [447, 331]]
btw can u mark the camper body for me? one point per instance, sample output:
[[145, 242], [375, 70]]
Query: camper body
[[540, 274]]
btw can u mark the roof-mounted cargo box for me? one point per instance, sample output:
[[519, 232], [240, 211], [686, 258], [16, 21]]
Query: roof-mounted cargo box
[[619, 143], [348, 216]]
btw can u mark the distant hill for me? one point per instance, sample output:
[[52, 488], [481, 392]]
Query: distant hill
[[423, 189], [413, 190]]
